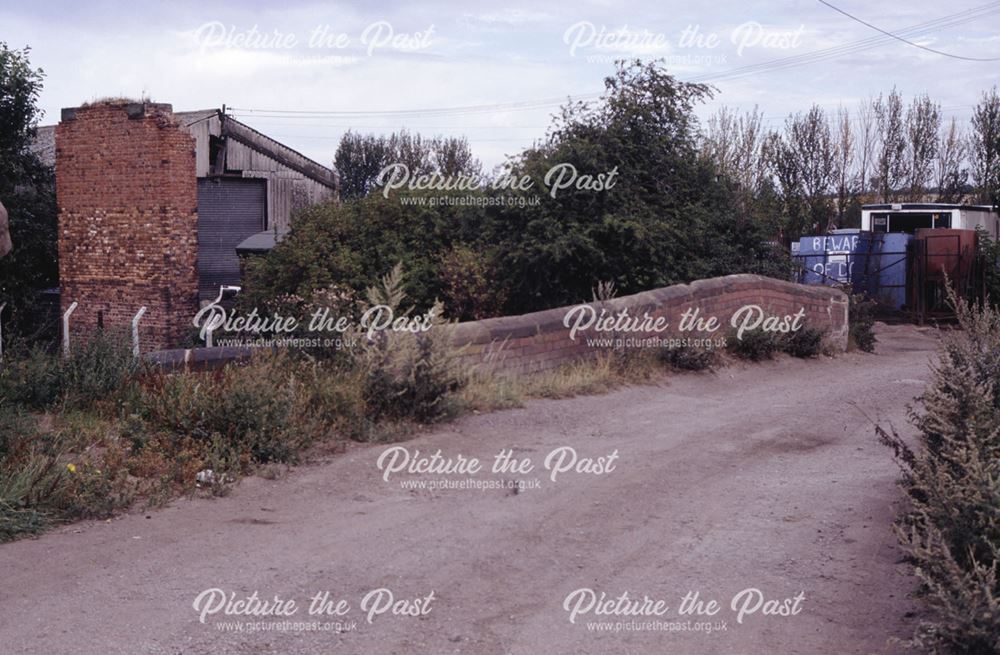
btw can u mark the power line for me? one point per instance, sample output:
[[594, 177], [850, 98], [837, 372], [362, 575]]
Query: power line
[[899, 38], [306, 117], [780, 63]]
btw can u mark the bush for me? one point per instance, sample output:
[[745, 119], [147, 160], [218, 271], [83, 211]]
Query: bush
[[98, 369], [470, 291], [688, 359], [805, 342], [31, 379], [240, 411], [756, 345], [407, 376], [527, 250], [951, 530], [861, 323]]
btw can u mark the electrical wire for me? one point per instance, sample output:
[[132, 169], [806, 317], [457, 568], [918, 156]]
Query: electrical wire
[[899, 38], [781, 63]]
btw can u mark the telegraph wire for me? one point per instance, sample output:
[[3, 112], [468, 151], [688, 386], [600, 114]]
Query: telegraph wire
[[899, 38], [763, 67]]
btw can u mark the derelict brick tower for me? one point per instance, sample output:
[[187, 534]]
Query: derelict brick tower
[[128, 221]]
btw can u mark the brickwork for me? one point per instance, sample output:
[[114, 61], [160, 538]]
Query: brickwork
[[541, 341], [128, 222]]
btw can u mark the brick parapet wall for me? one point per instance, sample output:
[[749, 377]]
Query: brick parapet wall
[[541, 341], [128, 223]]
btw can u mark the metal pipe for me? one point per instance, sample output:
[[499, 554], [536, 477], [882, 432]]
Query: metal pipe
[[135, 331], [65, 321]]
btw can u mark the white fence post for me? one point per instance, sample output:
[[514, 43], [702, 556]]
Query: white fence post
[[65, 320], [135, 331]]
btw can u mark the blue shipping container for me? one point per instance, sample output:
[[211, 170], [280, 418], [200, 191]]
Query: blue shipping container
[[872, 263]]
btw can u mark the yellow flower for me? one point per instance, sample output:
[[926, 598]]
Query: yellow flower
[[71, 468]]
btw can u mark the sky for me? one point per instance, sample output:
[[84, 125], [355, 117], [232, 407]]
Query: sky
[[306, 72]]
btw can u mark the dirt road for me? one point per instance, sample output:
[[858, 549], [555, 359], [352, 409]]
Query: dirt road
[[755, 477]]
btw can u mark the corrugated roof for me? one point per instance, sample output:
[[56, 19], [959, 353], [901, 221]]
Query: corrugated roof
[[44, 144]]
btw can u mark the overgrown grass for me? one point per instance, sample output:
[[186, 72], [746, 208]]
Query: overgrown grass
[[84, 436], [99, 370], [951, 529], [488, 390], [88, 436]]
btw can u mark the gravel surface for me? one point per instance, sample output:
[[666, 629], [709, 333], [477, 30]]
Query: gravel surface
[[756, 477]]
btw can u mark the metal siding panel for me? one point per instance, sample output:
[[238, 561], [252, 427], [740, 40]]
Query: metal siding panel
[[229, 211]]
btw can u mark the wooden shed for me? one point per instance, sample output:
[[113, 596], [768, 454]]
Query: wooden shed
[[248, 183]]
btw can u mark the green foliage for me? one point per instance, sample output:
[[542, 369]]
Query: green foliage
[[29, 478], [951, 530], [20, 87], [469, 285], [646, 229], [99, 369], [360, 158], [239, 410], [410, 377], [989, 258], [30, 379], [861, 323], [688, 359], [806, 342], [27, 191], [351, 244], [755, 345]]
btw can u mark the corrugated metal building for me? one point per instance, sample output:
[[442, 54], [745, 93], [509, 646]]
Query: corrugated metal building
[[249, 187], [248, 183]]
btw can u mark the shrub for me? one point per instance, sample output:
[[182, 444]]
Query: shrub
[[31, 379], [688, 359], [470, 291], [805, 342], [407, 376], [756, 345], [861, 323], [98, 369], [951, 530], [238, 410]]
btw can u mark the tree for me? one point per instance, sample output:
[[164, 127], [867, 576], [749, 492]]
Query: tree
[[664, 214], [27, 191], [867, 138], [358, 160], [361, 157], [923, 126], [734, 142], [985, 147], [803, 159], [20, 86], [952, 173], [890, 160], [670, 216], [843, 165]]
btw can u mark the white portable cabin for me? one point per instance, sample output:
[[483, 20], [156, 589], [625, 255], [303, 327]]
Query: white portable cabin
[[908, 217]]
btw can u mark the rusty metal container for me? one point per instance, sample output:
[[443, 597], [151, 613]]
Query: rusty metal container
[[945, 253]]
